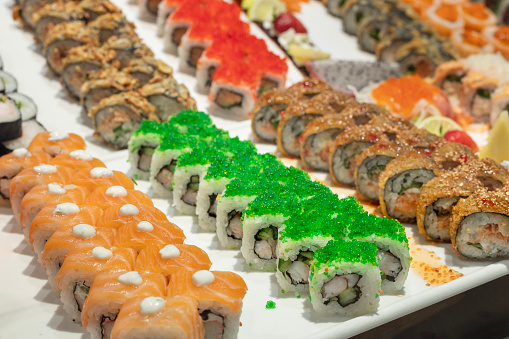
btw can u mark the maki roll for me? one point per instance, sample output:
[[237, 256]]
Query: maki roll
[[116, 117], [115, 216], [165, 9], [10, 119], [127, 48], [101, 176], [8, 83], [335, 7], [108, 25], [96, 8], [449, 77], [148, 9], [148, 68], [356, 11], [25, 104], [476, 100], [30, 129], [28, 8], [142, 145], [344, 279], [499, 103], [103, 196], [53, 14], [56, 142]]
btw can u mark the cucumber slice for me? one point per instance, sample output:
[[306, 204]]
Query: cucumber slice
[[284, 265], [267, 233], [148, 150], [194, 183], [349, 296]]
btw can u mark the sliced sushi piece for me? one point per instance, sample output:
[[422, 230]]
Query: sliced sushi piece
[[142, 145], [355, 11], [101, 176], [335, 7], [169, 97], [116, 117], [81, 265], [166, 7], [110, 290], [30, 129], [79, 63], [148, 9], [117, 195], [103, 84], [219, 295], [96, 8], [57, 142], [273, 70], [29, 8], [444, 17], [469, 42], [127, 48], [53, 216], [476, 100], [116, 216], [65, 238], [147, 68], [499, 103], [10, 85], [54, 14], [449, 77], [170, 258], [344, 279], [25, 104], [175, 317], [10, 119], [13, 163], [110, 24], [78, 159], [372, 29]]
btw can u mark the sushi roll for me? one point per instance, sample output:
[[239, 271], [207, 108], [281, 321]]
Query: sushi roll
[[356, 11], [96, 8], [219, 295], [108, 25], [335, 7], [81, 265], [79, 63], [145, 69], [149, 317], [25, 104], [499, 103], [29, 130], [10, 119], [476, 100], [56, 142], [392, 248], [78, 159], [110, 290], [127, 48], [169, 97], [148, 9], [142, 145], [101, 176], [469, 42], [65, 238], [116, 216], [8, 83], [28, 8], [116, 117], [54, 14], [344, 279], [166, 7], [400, 184], [372, 30], [444, 17], [170, 258], [53, 216], [117, 195], [103, 84], [449, 77]]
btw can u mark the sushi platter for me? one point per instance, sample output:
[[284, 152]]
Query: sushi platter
[[29, 307]]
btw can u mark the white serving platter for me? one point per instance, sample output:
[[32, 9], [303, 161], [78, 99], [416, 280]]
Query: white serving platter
[[28, 308]]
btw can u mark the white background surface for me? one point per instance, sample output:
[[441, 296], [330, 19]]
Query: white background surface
[[28, 308]]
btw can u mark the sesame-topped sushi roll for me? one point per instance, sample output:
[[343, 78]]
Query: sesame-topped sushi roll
[[81, 265], [116, 117], [150, 317], [56, 142], [110, 290], [392, 248], [480, 226], [344, 279], [110, 24], [127, 48], [96, 8], [148, 68], [55, 13], [219, 295], [449, 155]]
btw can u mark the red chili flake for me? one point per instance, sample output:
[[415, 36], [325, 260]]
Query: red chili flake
[[487, 202], [382, 146], [372, 136], [282, 113], [464, 158], [307, 84]]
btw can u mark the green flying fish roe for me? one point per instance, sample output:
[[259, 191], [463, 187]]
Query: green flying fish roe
[[270, 305], [316, 223], [195, 137], [339, 251], [373, 226], [190, 117], [216, 151], [149, 127], [274, 202]]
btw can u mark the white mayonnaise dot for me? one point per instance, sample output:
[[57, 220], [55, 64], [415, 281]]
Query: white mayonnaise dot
[[101, 253], [83, 231], [116, 191], [129, 210], [144, 226], [57, 135], [45, 169], [131, 278], [80, 155], [202, 278], [151, 305], [21, 153], [169, 252], [56, 189], [99, 172], [66, 208]]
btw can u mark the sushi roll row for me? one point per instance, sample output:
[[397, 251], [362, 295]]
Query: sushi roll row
[[102, 63], [119, 266], [231, 65], [18, 124], [276, 215], [476, 86]]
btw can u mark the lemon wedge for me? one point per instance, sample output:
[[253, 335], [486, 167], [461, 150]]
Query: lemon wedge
[[438, 125], [265, 10], [498, 140]]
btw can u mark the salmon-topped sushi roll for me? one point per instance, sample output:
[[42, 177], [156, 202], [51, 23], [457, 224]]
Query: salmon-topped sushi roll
[[44, 194], [27, 179], [156, 317], [68, 236], [81, 265], [167, 259], [117, 216], [219, 295], [13, 163], [106, 196], [56, 142], [110, 290], [77, 159], [138, 235], [102, 176], [52, 216]]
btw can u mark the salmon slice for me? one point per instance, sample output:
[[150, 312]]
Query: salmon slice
[[13, 163], [118, 215], [110, 290], [106, 196], [22, 183], [49, 220], [44, 194], [78, 159], [167, 259], [56, 142], [81, 265], [102, 176], [175, 317]]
